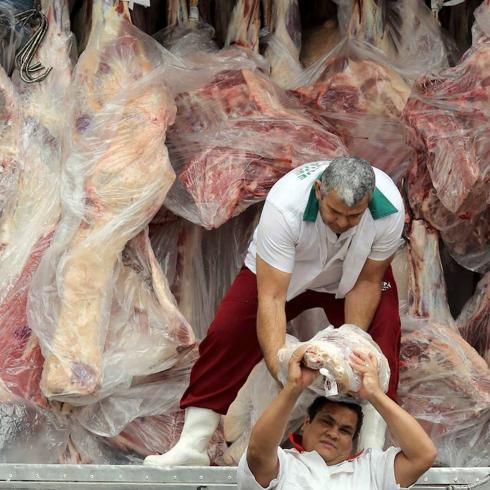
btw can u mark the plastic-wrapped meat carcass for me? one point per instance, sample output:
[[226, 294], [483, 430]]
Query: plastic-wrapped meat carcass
[[116, 174], [474, 320], [450, 185], [244, 25], [444, 383], [451, 113], [10, 139], [33, 209], [233, 138], [360, 87]]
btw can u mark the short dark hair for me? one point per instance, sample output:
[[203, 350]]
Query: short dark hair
[[321, 401]]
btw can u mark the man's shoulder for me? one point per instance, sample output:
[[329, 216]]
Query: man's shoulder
[[291, 191], [385, 184]]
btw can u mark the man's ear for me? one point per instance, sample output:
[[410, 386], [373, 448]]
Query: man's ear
[[317, 190]]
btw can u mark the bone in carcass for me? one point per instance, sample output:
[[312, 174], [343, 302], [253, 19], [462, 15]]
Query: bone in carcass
[[450, 112], [233, 138], [115, 178], [444, 383], [244, 25], [284, 45], [358, 93], [474, 320]]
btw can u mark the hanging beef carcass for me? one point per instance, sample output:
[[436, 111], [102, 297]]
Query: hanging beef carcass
[[360, 89], [451, 113], [474, 320], [232, 140], [10, 136], [116, 175], [33, 210], [284, 45], [444, 383], [449, 187]]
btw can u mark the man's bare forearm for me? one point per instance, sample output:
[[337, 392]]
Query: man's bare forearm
[[361, 303], [271, 331], [415, 444]]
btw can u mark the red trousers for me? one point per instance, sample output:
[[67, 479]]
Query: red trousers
[[231, 349]]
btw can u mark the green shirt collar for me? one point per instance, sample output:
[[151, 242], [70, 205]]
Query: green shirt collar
[[379, 205]]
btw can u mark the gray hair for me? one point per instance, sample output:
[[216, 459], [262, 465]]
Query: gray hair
[[350, 177]]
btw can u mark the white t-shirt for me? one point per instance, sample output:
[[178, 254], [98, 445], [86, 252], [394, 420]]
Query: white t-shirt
[[286, 241], [373, 470]]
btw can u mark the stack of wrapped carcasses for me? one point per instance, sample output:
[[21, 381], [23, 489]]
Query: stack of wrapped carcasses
[[136, 148]]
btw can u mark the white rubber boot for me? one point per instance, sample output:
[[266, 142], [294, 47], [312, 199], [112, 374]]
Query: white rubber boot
[[373, 430], [192, 447]]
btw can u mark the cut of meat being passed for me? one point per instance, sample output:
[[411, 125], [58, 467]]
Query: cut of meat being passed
[[115, 178], [232, 140], [444, 383]]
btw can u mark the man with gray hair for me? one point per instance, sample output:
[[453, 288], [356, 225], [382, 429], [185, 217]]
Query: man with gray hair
[[326, 237]]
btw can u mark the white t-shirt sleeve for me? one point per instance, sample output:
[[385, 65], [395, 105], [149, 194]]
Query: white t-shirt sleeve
[[276, 244], [246, 479], [383, 467], [389, 237]]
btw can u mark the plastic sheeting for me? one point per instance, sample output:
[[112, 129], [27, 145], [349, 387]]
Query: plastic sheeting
[[451, 116], [360, 95], [110, 191], [474, 320], [444, 383]]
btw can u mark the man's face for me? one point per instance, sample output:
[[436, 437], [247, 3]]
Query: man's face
[[336, 214], [331, 433]]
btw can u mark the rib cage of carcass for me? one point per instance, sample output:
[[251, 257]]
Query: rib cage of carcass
[[444, 383], [115, 177], [450, 112]]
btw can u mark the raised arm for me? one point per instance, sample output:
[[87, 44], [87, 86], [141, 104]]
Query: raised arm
[[269, 430], [417, 450], [363, 299], [272, 286]]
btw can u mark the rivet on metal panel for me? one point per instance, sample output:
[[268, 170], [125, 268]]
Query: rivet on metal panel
[[64, 475], [37, 475], [91, 477], [229, 477], [201, 477], [175, 477], [455, 479], [426, 478], [120, 477], [147, 477], [10, 475]]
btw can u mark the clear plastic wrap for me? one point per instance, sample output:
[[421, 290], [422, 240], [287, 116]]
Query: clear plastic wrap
[[244, 25], [201, 265], [116, 175], [450, 112], [284, 44], [444, 383], [405, 30], [474, 320], [10, 149], [358, 93], [328, 350], [465, 234], [232, 140]]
